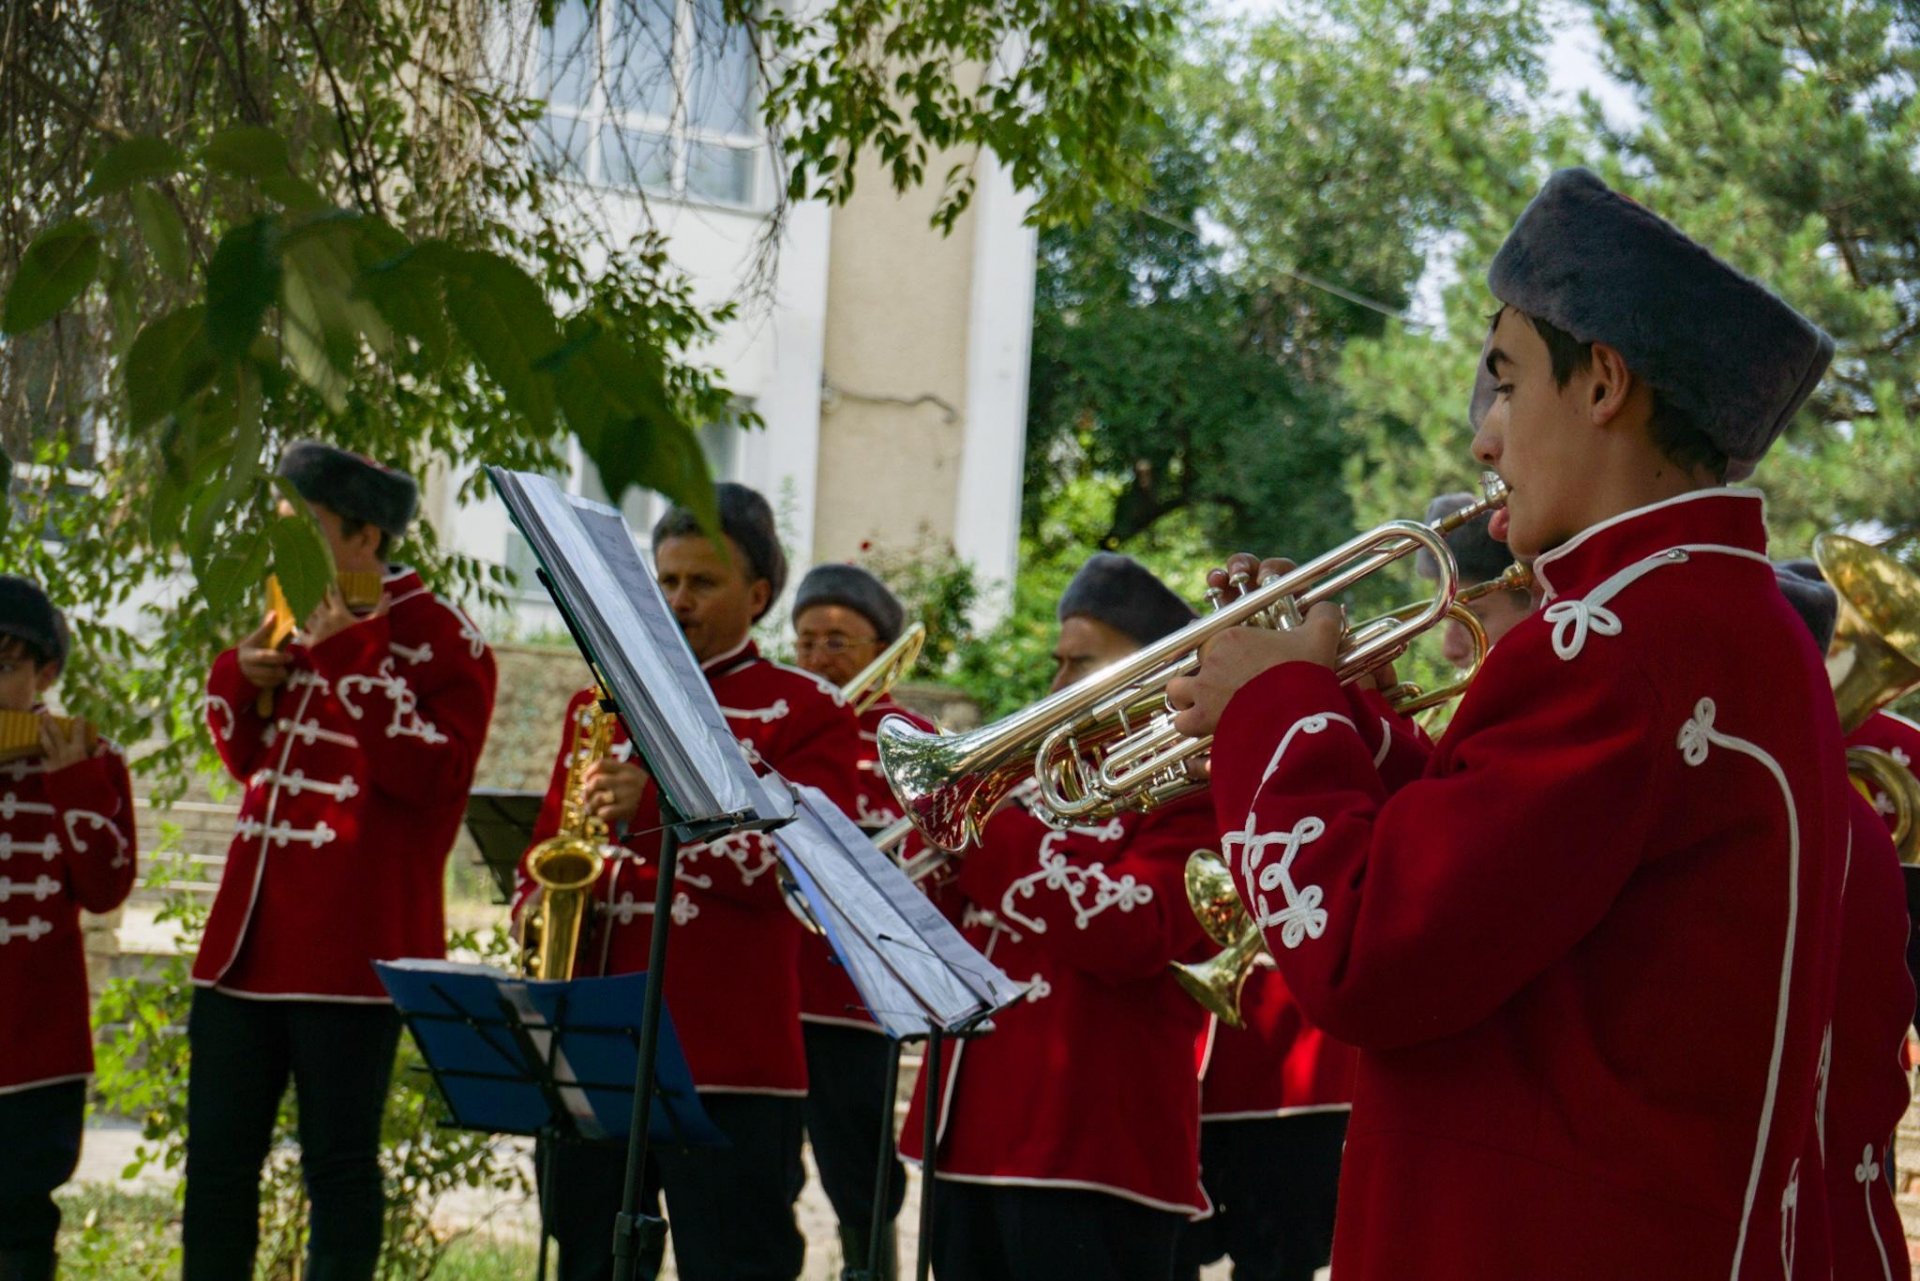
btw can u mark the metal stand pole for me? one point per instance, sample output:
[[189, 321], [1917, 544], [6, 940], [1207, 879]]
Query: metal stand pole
[[882, 1177], [634, 1232], [930, 1135]]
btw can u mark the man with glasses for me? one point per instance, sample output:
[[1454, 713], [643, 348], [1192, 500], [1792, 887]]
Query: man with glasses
[[843, 619]]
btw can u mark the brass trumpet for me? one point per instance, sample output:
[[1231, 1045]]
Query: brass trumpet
[[1107, 743], [1217, 981], [877, 679]]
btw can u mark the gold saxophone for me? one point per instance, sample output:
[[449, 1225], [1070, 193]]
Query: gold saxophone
[[567, 864]]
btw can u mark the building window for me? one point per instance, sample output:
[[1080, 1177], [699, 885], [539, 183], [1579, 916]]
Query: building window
[[655, 95]]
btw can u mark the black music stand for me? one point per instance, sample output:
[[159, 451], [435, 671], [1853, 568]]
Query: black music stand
[[921, 980], [553, 1061], [590, 565], [501, 820]]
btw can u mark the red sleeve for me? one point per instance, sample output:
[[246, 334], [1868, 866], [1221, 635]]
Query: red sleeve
[[422, 728], [94, 803], [1358, 894], [1109, 901], [1400, 747], [233, 716]]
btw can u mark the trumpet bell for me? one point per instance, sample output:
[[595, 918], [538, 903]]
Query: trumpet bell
[[932, 778], [1213, 898], [1217, 983], [1875, 657]]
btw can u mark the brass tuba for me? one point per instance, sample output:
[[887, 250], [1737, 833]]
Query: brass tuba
[[1107, 744], [1874, 659], [567, 864]]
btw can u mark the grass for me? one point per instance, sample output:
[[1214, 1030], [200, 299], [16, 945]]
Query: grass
[[110, 1233]]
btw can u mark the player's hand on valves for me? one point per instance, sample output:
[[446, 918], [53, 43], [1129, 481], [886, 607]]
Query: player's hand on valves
[[1241, 574], [1234, 657], [262, 664], [613, 789]]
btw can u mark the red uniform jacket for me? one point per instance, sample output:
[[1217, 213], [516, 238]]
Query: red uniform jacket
[[1862, 1092], [1277, 1064], [355, 786], [1089, 1082], [1585, 956], [733, 979], [827, 995], [66, 843], [1899, 738]]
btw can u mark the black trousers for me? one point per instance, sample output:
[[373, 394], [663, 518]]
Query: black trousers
[[848, 1111], [339, 1057], [730, 1210], [1273, 1183], [986, 1232], [40, 1140]]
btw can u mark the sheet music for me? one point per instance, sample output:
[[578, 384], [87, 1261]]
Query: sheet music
[[912, 967], [609, 595]]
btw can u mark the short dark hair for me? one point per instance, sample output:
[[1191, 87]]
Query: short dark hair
[[1675, 434]]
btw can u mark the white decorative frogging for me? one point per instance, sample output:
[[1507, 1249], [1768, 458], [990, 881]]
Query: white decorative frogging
[[39, 889], [1088, 888], [1789, 1218], [1866, 1174], [99, 823], [1297, 913], [284, 833], [11, 807], [407, 720], [33, 929], [1575, 621], [1696, 740], [220, 716]]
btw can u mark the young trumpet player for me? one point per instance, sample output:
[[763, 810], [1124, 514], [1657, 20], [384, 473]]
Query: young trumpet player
[[843, 620], [66, 843], [1069, 1135], [356, 765], [1591, 1030], [733, 979], [1865, 1091]]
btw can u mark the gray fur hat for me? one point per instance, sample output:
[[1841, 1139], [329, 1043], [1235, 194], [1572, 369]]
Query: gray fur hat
[[1716, 345], [352, 486], [747, 520], [858, 590], [1479, 554], [1122, 593], [28, 616], [1807, 591]]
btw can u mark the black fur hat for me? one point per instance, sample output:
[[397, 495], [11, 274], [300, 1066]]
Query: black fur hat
[[1479, 554], [1807, 591], [30, 618], [355, 487], [1122, 593], [1716, 345], [745, 518], [858, 590]]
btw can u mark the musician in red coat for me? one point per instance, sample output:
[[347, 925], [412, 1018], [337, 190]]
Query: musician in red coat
[[66, 843], [355, 778], [843, 619], [1862, 1087], [1584, 956], [1069, 1134], [733, 979]]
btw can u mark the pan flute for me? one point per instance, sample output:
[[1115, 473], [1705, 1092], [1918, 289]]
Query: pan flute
[[20, 733]]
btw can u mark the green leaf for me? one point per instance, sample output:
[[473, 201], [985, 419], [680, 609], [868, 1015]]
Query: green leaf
[[301, 559], [248, 152], [166, 235], [503, 316], [169, 362], [55, 270], [235, 574], [243, 280], [136, 160]]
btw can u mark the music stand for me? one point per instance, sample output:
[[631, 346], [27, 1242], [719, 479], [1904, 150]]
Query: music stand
[[920, 978], [501, 820], [550, 1060], [590, 565]]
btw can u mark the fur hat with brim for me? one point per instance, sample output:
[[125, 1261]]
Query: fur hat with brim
[[747, 520], [351, 486], [1716, 345], [30, 618], [857, 590], [1122, 593], [1807, 591], [1479, 554]]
